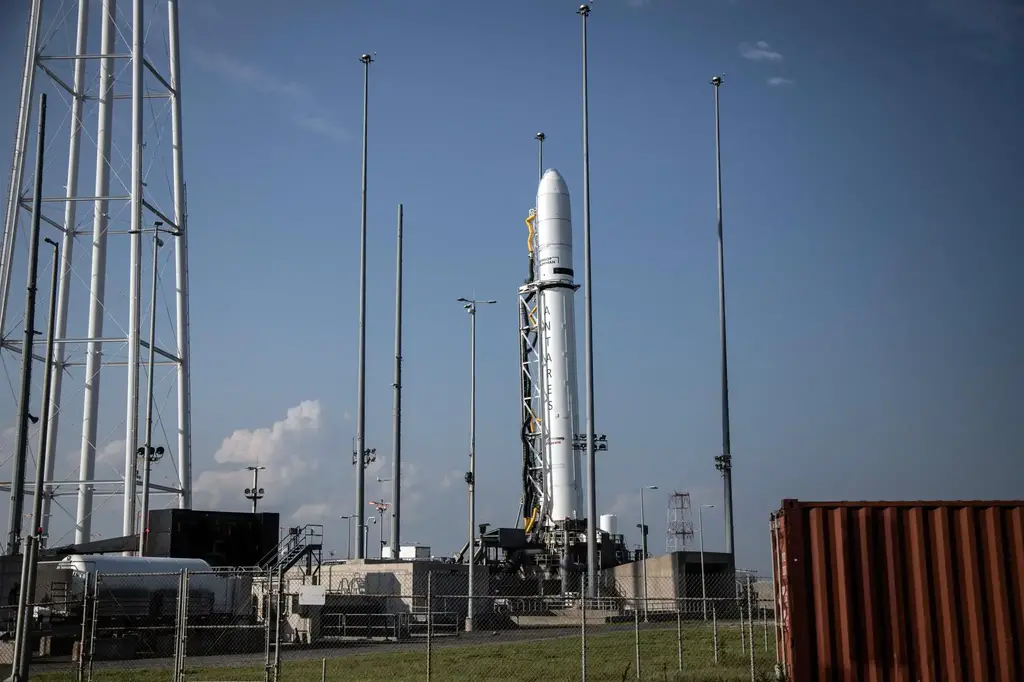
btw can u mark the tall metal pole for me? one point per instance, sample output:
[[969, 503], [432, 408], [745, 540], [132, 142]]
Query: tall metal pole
[[21, 456], [540, 155], [472, 463], [725, 461], [588, 327], [28, 78], [148, 452], [643, 547], [135, 267], [23, 629], [255, 494], [396, 461], [361, 379], [67, 247], [180, 265], [471, 305]]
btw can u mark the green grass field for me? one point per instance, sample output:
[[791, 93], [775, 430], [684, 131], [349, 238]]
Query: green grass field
[[609, 657]]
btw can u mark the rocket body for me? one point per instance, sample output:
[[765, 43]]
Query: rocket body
[[556, 317]]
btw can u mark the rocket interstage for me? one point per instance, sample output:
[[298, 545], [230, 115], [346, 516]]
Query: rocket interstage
[[557, 340]]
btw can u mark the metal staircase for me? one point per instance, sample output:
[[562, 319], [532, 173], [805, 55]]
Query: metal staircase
[[301, 542]]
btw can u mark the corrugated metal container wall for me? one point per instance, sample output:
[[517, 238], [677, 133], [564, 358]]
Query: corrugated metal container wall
[[900, 591]]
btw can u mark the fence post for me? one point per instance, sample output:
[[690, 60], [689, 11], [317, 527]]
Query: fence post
[[750, 620], [764, 624], [714, 631], [430, 621], [82, 643], [95, 617], [277, 619], [743, 631], [323, 670], [268, 591], [636, 639], [679, 632], [583, 629]]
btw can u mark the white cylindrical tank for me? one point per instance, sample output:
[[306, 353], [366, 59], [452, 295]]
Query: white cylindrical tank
[[151, 573], [610, 524], [558, 346]]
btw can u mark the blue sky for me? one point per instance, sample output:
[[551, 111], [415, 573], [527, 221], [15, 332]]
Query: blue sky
[[871, 172]]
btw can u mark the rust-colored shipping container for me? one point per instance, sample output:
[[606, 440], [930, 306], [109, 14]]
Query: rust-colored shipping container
[[900, 591]]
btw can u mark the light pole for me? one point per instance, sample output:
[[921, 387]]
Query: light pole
[[361, 373], [366, 536], [149, 454], [588, 331], [643, 541], [396, 459], [255, 493], [348, 541], [723, 462], [394, 510], [703, 582], [471, 304]]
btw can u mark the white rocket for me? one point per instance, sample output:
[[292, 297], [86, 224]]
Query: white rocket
[[560, 414]]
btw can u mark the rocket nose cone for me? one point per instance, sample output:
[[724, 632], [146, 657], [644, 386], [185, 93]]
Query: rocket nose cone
[[552, 183]]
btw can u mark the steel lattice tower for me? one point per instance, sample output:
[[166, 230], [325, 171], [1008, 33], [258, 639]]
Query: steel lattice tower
[[114, 90], [679, 529]]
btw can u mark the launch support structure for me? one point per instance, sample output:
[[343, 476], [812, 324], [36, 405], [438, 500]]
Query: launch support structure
[[554, 516]]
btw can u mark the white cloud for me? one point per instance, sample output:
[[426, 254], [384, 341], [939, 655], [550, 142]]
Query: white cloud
[[779, 81], [284, 448], [760, 52], [310, 513], [306, 113]]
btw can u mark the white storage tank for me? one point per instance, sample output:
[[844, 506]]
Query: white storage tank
[[609, 524]]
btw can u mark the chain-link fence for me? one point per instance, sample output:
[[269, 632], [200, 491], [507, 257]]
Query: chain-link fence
[[405, 621]]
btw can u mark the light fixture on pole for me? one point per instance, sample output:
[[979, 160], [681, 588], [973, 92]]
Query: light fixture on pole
[[255, 493], [471, 305], [643, 542], [348, 541], [382, 509], [703, 582]]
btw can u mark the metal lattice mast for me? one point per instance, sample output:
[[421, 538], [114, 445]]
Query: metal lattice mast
[[114, 90], [679, 529]]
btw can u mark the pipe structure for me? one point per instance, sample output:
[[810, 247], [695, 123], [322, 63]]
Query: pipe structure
[[98, 277], [28, 80], [21, 454], [134, 268], [396, 460], [181, 300], [30, 559], [67, 247]]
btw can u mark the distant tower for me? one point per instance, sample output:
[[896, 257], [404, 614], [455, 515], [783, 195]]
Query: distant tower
[[114, 180], [679, 529]]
